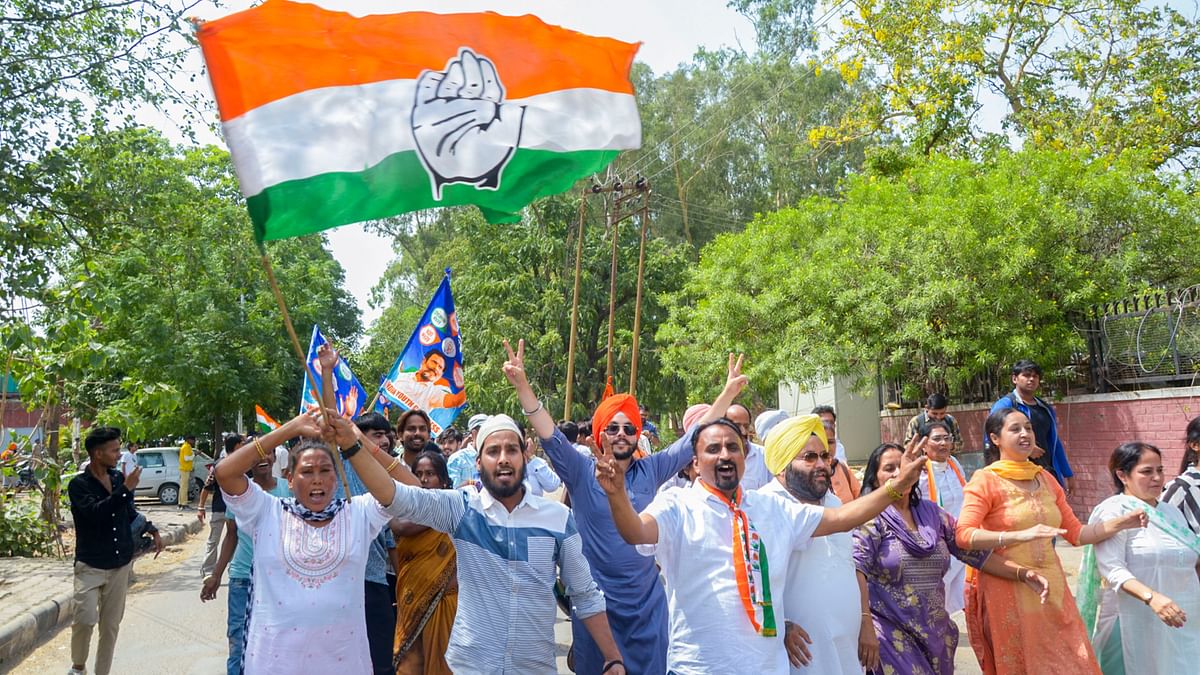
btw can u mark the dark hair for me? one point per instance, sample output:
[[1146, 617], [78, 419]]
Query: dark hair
[[870, 481], [723, 421], [439, 466], [935, 424], [99, 436], [993, 425], [585, 428], [822, 409], [1125, 457], [1025, 365], [1191, 456], [432, 446], [936, 402], [232, 441], [402, 420], [436, 352], [189, 437], [450, 433], [569, 429], [372, 421], [303, 447]]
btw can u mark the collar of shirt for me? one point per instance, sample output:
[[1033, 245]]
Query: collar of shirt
[[487, 502]]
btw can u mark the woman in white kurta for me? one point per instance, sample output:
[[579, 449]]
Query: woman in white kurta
[[310, 552], [1149, 619], [942, 483]]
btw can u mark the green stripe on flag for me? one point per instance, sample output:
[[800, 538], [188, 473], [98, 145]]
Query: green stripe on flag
[[400, 184]]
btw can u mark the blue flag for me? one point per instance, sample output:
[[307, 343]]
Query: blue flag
[[351, 397], [429, 373]]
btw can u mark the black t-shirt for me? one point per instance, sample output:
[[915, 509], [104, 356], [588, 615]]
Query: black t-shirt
[[218, 501], [1042, 423]]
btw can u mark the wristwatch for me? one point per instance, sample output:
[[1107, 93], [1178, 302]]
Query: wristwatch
[[347, 453], [1148, 597]]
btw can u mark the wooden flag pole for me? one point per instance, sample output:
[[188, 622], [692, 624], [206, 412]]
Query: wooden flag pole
[[570, 390], [312, 380]]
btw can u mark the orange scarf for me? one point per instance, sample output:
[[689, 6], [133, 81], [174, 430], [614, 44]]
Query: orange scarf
[[1007, 468], [933, 491], [749, 565]]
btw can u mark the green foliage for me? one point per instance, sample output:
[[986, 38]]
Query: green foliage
[[1110, 75], [943, 270], [158, 318], [515, 282], [23, 532]]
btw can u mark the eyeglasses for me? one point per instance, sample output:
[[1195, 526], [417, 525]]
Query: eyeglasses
[[614, 429], [811, 457]]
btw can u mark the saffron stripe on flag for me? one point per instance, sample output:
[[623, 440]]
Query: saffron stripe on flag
[[247, 51], [350, 129], [303, 206]]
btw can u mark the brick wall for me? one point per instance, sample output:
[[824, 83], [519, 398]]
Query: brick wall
[[1090, 427]]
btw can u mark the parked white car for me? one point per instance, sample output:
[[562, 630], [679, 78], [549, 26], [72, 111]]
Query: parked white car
[[160, 474]]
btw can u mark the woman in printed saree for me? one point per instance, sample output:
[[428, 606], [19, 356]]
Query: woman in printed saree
[[902, 556], [1146, 582], [426, 583], [1013, 631]]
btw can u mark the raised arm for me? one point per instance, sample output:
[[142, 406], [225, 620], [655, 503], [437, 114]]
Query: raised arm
[[849, 516], [735, 382], [514, 371], [231, 471], [635, 528], [374, 475]]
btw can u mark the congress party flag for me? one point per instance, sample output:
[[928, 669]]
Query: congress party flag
[[429, 373], [333, 118], [351, 396], [265, 423]]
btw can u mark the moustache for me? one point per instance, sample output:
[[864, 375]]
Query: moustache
[[726, 465]]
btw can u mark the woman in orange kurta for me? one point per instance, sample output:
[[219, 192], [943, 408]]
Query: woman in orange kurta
[[1012, 506], [426, 584]]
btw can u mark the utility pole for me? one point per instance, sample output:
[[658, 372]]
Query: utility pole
[[641, 186]]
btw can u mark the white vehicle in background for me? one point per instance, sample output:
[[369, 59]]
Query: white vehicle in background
[[160, 474]]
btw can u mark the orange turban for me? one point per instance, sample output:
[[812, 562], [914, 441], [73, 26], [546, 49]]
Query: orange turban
[[608, 409]]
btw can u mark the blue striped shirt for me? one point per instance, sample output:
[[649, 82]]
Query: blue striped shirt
[[507, 564]]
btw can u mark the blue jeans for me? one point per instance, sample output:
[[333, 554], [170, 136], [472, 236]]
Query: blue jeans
[[239, 594]]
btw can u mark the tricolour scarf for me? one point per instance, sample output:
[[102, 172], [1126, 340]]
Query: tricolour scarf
[[1007, 468], [933, 491], [749, 565]]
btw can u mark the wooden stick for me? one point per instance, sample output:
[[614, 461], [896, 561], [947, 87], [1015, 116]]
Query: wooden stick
[[312, 379], [613, 224], [570, 391]]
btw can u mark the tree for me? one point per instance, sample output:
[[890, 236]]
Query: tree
[[935, 272], [1108, 75]]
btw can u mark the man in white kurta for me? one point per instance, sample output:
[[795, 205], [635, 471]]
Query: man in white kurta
[[942, 483]]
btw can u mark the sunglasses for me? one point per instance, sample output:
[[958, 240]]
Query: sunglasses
[[811, 457], [614, 429]]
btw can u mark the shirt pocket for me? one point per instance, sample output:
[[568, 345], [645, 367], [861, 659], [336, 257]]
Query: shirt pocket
[[541, 557]]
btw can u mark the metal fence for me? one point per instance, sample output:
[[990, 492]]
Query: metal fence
[[1147, 341]]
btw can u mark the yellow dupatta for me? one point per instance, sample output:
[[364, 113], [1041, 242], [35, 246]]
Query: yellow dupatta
[[1007, 468]]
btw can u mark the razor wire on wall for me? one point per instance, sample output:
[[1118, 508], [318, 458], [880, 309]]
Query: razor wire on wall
[[1149, 340]]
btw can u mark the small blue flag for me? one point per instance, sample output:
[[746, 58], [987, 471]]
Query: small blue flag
[[351, 397], [429, 373]]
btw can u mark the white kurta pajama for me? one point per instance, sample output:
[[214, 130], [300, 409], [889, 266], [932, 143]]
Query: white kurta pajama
[[950, 499], [822, 597], [1167, 566]]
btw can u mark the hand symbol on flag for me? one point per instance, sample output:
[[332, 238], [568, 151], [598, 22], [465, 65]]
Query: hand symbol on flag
[[464, 131]]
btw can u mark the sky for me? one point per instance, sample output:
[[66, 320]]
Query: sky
[[670, 31]]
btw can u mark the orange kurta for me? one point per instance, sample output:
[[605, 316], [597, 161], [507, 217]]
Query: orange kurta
[[426, 602], [1011, 631]]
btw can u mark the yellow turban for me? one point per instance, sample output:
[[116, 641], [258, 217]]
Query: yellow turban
[[789, 437]]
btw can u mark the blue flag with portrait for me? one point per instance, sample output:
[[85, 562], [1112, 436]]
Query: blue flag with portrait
[[429, 373], [351, 397]]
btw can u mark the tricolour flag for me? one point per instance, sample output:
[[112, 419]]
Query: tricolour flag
[[265, 423], [351, 397], [428, 375], [334, 119]]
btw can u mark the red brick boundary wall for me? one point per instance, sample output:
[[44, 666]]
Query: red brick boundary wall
[[1091, 427]]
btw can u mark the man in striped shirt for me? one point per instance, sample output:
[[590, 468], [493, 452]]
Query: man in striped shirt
[[511, 547]]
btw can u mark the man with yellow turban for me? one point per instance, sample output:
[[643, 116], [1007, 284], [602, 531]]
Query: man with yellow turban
[[823, 595], [637, 606]]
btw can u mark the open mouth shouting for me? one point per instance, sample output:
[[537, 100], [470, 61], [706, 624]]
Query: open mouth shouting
[[726, 473]]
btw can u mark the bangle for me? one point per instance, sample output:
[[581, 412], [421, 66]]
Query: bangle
[[258, 446], [527, 414], [866, 614], [1001, 544], [392, 465], [349, 452], [608, 664], [892, 492], [1022, 574]]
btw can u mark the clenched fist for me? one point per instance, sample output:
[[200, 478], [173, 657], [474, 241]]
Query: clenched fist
[[465, 132]]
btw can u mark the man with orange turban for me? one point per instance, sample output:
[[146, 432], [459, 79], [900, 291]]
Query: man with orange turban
[[636, 603]]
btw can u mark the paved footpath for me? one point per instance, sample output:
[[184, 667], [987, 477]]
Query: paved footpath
[[35, 593]]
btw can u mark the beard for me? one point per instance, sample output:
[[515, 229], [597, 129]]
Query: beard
[[726, 482], [624, 454], [502, 491], [804, 486]]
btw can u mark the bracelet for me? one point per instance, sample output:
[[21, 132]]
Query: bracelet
[[258, 446], [892, 492], [1001, 544], [527, 414], [1022, 574], [392, 465], [349, 452], [618, 662]]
